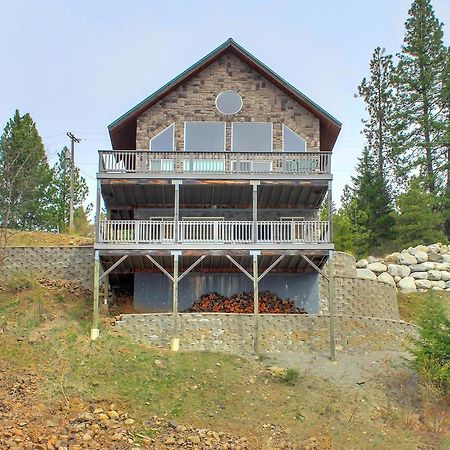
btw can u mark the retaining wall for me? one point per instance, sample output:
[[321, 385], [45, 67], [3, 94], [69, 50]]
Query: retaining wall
[[54, 263], [233, 333]]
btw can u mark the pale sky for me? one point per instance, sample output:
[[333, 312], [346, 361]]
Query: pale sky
[[79, 65]]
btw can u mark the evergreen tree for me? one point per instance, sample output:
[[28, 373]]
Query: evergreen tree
[[378, 95], [60, 192], [24, 175], [419, 87], [418, 222]]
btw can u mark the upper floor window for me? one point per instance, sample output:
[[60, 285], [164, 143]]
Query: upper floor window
[[229, 102], [292, 142], [252, 137], [164, 141], [204, 136]]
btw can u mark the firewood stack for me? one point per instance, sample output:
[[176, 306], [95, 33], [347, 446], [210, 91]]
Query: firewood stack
[[243, 303]]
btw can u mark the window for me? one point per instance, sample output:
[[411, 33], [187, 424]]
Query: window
[[292, 142], [229, 102], [204, 136], [252, 137], [164, 141]]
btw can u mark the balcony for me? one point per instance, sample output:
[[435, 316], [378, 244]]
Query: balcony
[[150, 164], [213, 232]]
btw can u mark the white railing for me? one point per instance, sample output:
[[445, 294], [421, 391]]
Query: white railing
[[213, 231], [166, 163]]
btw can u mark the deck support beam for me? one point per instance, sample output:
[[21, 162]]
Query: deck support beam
[[255, 303], [95, 319], [175, 341], [331, 290], [106, 272], [240, 267]]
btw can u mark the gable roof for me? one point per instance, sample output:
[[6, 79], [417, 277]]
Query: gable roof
[[123, 130]]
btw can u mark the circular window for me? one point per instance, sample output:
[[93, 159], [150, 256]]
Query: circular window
[[228, 102]]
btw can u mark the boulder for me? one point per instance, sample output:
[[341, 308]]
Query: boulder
[[397, 278], [374, 259], [440, 284], [421, 257], [362, 264], [422, 248], [365, 274], [384, 277], [435, 257], [445, 276], [437, 288], [447, 284], [434, 248], [445, 249], [377, 267], [407, 284], [423, 284], [392, 258], [420, 275], [422, 267], [440, 266], [407, 259], [396, 270], [446, 258], [434, 275]]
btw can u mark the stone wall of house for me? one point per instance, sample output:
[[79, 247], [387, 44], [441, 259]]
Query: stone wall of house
[[413, 269], [195, 101], [54, 263], [233, 333]]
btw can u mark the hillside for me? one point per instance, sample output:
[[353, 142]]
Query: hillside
[[18, 238], [59, 389]]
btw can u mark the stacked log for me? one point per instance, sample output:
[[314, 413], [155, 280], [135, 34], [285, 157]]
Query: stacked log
[[269, 303]]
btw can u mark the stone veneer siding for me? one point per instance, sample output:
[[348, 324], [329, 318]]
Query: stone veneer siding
[[233, 333], [195, 101], [54, 263]]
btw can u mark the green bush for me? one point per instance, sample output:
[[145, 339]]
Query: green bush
[[432, 348]]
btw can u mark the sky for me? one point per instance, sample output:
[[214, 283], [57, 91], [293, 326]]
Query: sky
[[78, 65]]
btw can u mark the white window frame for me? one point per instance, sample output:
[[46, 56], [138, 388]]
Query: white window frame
[[271, 136], [206, 121], [283, 126], [162, 131]]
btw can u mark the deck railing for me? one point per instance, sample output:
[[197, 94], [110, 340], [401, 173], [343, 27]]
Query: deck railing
[[166, 163], [213, 231]]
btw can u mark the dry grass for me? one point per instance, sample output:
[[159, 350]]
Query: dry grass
[[411, 305], [44, 239]]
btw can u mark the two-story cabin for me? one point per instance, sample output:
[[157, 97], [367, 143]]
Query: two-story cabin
[[214, 183]]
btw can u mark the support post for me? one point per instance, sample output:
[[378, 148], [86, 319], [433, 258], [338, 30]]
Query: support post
[[255, 209], [175, 343], [97, 212], [105, 290], [255, 304], [331, 306], [95, 321], [176, 215]]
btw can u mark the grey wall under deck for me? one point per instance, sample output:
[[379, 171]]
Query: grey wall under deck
[[153, 292]]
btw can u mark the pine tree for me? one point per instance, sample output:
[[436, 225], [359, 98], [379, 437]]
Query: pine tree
[[24, 175], [418, 222], [419, 86], [60, 192]]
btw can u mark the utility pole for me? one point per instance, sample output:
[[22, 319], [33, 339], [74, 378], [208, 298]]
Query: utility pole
[[73, 139]]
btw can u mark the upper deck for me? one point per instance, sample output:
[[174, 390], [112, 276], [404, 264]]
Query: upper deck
[[276, 165]]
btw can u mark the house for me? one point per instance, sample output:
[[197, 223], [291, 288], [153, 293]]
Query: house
[[214, 183]]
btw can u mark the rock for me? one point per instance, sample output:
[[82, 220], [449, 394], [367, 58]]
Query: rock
[[392, 258], [113, 414], [447, 284], [441, 266], [365, 274], [440, 284], [421, 257], [422, 267], [445, 276], [170, 440], [407, 259], [373, 259], [446, 258], [434, 275], [397, 278], [420, 275], [377, 267], [160, 364], [423, 284], [386, 278], [129, 422], [194, 439], [362, 264], [407, 284], [437, 288], [434, 248], [422, 248], [398, 270], [435, 257]]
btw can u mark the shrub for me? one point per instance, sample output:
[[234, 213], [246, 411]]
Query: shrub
[[432, 348]]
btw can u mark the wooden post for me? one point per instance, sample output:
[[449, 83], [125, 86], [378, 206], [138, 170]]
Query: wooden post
[[331, 291], [176, 217], [95, 322], [255, 210], [97, 212], [255, 304], [106, 290], [175, 339]]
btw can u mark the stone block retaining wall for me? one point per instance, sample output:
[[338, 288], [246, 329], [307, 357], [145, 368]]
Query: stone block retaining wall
[[233, 333], [54, 263]]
